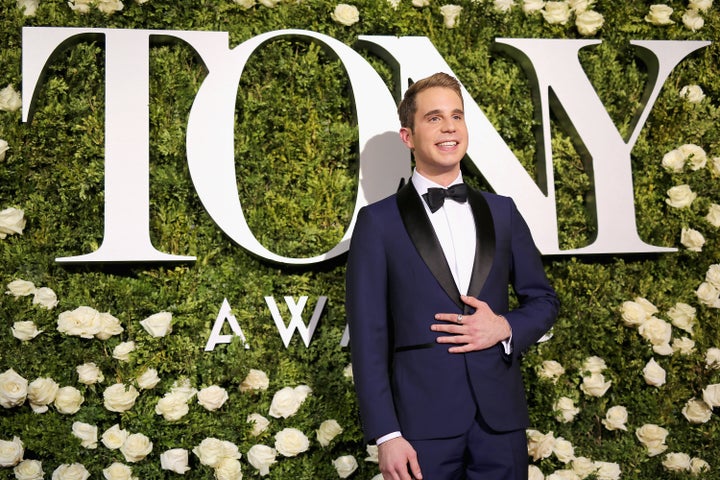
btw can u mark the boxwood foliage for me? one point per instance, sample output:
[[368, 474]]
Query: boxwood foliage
[[297, 168]]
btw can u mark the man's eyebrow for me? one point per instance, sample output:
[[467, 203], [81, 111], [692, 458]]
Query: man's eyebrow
[[437, 111]]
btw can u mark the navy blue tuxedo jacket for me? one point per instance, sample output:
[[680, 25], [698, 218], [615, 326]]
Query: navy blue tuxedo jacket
[[398, 279]]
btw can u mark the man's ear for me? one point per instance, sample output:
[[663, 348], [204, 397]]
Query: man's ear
[[406, 137]]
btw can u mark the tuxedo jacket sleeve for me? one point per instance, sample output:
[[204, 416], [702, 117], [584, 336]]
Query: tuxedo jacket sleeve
[[397, 280]]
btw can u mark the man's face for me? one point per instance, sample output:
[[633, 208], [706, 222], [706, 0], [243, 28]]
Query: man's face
[[439, 138]]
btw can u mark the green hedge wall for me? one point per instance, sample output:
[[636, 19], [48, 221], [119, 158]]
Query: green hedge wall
[[297, 172]]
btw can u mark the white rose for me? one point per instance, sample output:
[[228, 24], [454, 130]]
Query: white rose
[[503, 6], [615, 418], [158, 325], [290, 442], [659, 15], [83, 322], [120, 397], [694, 155], [345, 14], [656, 331], [122, 351], [701, 5], [698, 466], [89, 373], [692, 93], [136, 447], [28, 7], [674, 160], [246, 4], [175, 460], [714, 166], [259, 422], [45, 297], [10, 99], [148, 379], [11, 452], [653, 438], [118, 471], [20, 288], [693, 20], [13, 389], [595, 385], [261, 457], [228, 469], [41, 392], [25, 330], [583, 466], [692, 239], [74, 471], [12, 221], [713, 215], [68, 400], [654, 374], [633, 314], [109, 326], [532, 6], [579, 6], [394, 4], [328, 430], [594, 364], [563, 450], [708, 295], [109, 6], [565, 410], [212, 397], [255, 380], [173, 406], [348, 372], [540, 445], [372, 452], [676, 462], [680, 196], [646, 305], [551, 370], [420, 3], [556, 12], [345, 465], [589, 22], [682, 316], [607, 471], [287, 401], [450, 14], [80, 6], [4, 147], [697, 411], [184, 388], [684, 346], [210, 452], [711, 395], [712, 358], [712, 276], [86, 433], [534, 473], [29, 470], [114, 437]]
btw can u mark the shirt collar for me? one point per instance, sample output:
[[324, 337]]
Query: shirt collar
[[422, 184]]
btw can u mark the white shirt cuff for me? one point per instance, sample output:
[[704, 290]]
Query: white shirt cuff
[[387, 437]]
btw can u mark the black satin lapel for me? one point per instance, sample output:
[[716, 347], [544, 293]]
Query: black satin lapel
[[485, 244], [423, 237]]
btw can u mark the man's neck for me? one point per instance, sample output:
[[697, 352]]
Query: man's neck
[[443, 178]]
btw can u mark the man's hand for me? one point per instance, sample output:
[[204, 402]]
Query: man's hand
[[478, 331], [398, 460]]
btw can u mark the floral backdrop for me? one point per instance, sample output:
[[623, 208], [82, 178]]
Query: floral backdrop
[[103, 373]]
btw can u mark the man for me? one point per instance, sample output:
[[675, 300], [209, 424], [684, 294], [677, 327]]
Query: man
[[435, 347]]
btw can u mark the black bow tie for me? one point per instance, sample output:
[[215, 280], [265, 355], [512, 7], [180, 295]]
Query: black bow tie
[[435, 197]]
